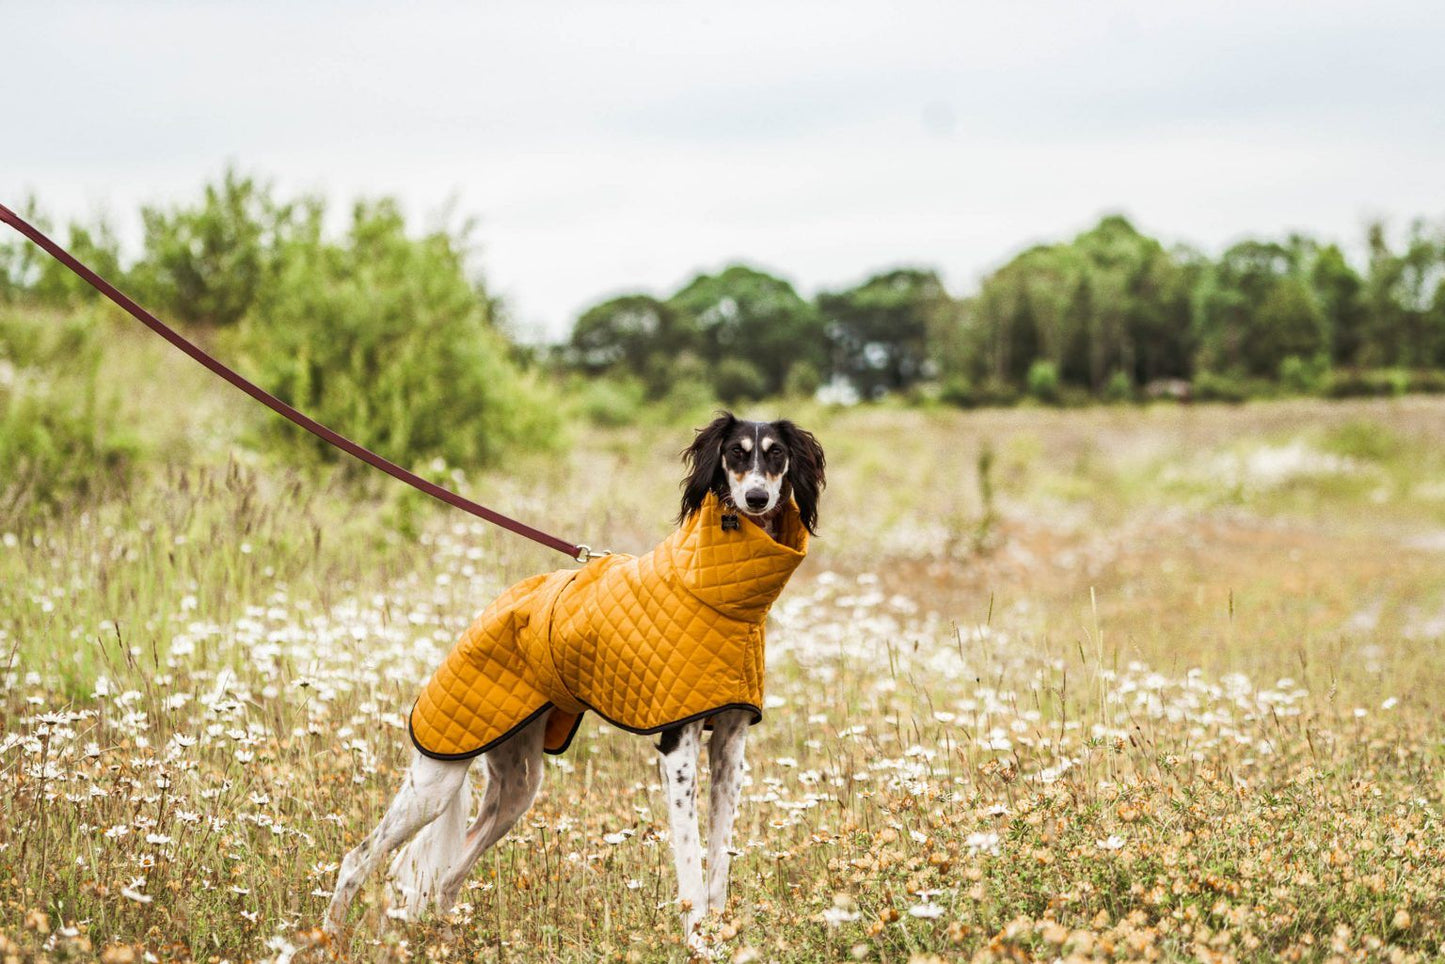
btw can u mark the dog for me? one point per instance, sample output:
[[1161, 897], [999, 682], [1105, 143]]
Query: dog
[[770, 474]]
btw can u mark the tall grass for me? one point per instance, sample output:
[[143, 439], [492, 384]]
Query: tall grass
[[1181, 700], [59, 433]]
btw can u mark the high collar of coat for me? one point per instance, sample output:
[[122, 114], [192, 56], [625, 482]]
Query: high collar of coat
[[737, 570]]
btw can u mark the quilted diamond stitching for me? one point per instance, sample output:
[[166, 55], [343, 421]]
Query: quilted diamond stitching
[[645, 640]]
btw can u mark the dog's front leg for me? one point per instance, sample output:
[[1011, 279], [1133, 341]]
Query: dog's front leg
[[679, 748], [725, 766]]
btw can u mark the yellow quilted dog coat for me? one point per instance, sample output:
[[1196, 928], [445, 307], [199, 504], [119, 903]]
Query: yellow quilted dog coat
[[646, 642]]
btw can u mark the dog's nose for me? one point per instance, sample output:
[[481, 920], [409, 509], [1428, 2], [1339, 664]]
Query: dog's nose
[[756, 498]]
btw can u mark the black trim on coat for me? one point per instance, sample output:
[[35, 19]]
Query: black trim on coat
[[485, 747], [757, 718]]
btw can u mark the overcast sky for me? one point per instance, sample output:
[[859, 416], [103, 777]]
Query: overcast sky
[[608, 147]]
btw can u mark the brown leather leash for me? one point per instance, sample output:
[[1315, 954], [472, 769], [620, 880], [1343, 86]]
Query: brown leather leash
[[580, 553]]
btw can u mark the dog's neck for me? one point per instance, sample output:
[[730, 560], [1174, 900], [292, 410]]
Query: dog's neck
[[767, 522]]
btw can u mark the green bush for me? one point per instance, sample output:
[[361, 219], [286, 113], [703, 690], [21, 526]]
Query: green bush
[[690, 396], [19, 258], [1304, 377], [59, 435], [210, 263], [996, 393], [957, 390], [1215, 387], [920, 395], [1043, 381], [29, 275], [386, 339], [1368, 383], [1428, 382], [1119, 388], [1398, 381], [1364, 440], [98, 248], [608, 402], [802, 381], [735, 380]]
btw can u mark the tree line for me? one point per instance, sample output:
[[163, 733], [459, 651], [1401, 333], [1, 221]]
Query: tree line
[[1111, 314]]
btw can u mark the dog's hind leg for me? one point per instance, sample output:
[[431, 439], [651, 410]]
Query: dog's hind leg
[[725, 773], [514, 777], [431, 788], [679, 747]]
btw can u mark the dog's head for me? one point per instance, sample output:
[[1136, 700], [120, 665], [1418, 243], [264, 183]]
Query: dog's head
[[754, 467]]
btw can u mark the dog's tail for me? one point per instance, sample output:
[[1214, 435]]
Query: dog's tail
[[420, 867]]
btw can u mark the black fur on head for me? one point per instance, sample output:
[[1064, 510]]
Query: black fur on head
[[703, 459], [768, 462], [806, 466]]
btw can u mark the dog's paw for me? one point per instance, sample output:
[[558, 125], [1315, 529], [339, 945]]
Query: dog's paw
[[699, 948]]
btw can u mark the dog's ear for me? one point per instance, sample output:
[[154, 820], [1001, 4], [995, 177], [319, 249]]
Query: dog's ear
[[805, 471], [704, 461]]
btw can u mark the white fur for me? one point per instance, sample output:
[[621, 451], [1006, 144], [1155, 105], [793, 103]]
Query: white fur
[[725, 767], [678, 770], [431, 811], [755, 478], [435, 849], [679, 786], [417, 869], [431, 788]]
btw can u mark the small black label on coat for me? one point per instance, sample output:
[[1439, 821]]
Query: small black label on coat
[[729, 522]]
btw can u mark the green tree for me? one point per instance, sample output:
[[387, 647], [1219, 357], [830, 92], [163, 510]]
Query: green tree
[[1289, 322], [1001, 322], [1405, 295], [1139, 323], [880, 330], [1340, 291], [1111, 300], [1254, 306], [743, 314], [633, 334]]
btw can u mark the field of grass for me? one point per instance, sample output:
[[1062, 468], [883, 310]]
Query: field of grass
[[1116, 683]]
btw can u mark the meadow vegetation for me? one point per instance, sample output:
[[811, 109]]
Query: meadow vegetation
[[1136, 682], [377, 327], [1121, 684]]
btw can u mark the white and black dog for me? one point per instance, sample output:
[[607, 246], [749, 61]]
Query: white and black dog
[[754, 467]]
